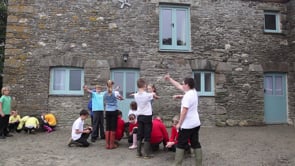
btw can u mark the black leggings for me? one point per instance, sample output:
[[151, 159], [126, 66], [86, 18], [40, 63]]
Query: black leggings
[[189, 134], [111, 120]]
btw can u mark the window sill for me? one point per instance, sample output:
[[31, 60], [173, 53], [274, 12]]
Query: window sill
[[273, 33], [65, 95], [176, 51]]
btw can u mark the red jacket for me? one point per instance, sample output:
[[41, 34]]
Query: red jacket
[[120, 129], [159, 132], [174, 135], [131, 126]]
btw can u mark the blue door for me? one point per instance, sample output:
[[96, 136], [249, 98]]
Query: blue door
[[126, 80], [275, 102]]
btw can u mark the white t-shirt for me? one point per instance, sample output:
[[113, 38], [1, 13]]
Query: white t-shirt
[[133, 112], [78, 124], [190, 101], [143, 100]]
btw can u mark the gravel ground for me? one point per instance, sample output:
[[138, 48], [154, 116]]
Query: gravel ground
[[229, 146]]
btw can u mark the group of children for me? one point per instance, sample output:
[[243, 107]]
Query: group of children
[[143, 127], [11, 121]]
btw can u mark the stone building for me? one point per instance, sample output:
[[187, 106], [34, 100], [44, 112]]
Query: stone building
[[240, 52]]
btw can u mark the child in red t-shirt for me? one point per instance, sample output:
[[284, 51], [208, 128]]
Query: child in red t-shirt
[[132, 131], [120, 127]]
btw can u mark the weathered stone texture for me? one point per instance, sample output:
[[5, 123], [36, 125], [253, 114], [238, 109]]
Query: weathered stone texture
[[226, 38]]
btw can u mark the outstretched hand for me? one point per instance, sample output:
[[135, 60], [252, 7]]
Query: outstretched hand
[[167, 77]]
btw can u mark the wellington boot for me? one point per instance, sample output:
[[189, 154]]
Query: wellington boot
[[134, 144], [107, 138], [198, 156], [147, 150], [138, 154], [178, 157], [112, 140]]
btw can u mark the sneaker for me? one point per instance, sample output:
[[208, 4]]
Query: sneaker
[[138, 155], [93, 139], [148, 156], [132, 147], [71, 142]]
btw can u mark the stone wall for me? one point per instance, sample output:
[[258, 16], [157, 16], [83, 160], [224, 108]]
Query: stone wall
[[227, 38]]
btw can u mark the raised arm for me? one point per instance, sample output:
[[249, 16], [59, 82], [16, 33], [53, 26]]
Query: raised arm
[[85, 87], [173, 82]]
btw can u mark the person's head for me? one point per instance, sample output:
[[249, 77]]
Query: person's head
[[13, 113], [157, 117], [175, 120], [97, 88], [119, 113], [110, 84], [132, 118], [133, 106], [141, 83], [5, 90], [151, 88], [84, 114], [188, 83]]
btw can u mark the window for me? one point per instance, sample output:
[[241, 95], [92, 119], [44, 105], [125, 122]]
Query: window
[[174, 28], [272, 22], [204, 83], [66, 81]]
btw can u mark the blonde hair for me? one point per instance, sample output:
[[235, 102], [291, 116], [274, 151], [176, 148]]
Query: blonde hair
[[4, 89], [110, 86], [97, 87], [175, 118]]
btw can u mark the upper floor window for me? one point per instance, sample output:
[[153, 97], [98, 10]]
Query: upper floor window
[[272, 22], [174, 28], [204, 83], [66, 81]]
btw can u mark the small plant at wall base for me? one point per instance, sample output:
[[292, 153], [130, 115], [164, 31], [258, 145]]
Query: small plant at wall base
[[3, 23]]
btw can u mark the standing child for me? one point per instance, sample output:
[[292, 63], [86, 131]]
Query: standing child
[[110, 99], [79, 133], [5, 107], [144, 119], [14, 120], [132, 131], [97, 107], [152, 89]]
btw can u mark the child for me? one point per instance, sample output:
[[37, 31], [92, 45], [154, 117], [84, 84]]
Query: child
[[31, 124], [110, 98], [5, 107], [159, 134], [14, 120], [79, 133], [49, 122], [132, 131], [120, 127], [152, 89], [144, 119], [132, 110], [97, 108], [171, 145]]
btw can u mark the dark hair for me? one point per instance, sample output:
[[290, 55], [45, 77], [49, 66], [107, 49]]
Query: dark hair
[[84, 112], [190, 82], [119, 112], [141, 83], [133, 105], [131, 116]]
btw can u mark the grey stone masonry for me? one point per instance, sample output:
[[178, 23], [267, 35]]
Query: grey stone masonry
[[227, 37]]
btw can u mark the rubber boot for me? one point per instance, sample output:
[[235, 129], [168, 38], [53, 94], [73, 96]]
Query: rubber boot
[[147, 150], [138, 154], [112, 140], [198, 156], [107, 138], [178, 157], [134, 144]]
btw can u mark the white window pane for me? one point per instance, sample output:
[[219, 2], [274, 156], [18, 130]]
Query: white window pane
[[270, 21], [166, 18], [181, 27], [130, 84], [119, 79], [268, 85], [59, 79], [279, 85], [208, 87], [75, 80], [197, 81]]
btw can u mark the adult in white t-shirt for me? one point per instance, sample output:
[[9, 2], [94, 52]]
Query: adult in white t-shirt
[[189, 121]]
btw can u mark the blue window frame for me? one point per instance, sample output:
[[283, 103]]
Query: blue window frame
[[66, 81], [174, 28], [272, 22], [204, 83]]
